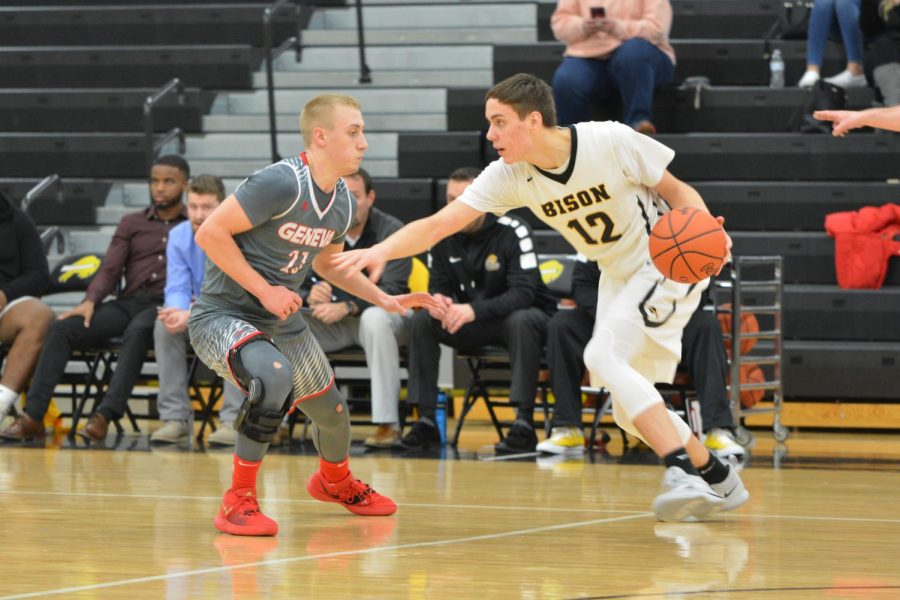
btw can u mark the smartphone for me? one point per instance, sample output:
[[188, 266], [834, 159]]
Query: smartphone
[[598, 12]]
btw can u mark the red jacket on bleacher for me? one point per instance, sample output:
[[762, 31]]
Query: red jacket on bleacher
[[864, 242]]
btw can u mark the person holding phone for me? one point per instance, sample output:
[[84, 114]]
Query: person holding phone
[[612, 46]]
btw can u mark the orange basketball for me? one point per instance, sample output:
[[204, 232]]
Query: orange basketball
[[751, 374], [749, 324], [687, 245]]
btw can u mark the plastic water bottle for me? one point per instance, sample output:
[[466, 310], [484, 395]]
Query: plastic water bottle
[[776, 70], [440, 415]]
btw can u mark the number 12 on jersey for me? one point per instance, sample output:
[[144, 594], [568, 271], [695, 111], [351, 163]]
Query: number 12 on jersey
[[606, 236]]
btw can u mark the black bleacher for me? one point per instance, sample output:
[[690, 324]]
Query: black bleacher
[[96, 110], [73, 154], [213, 66], [725, 62], [406, 199], [140, 25], [782, 157], [80, 200], [739, 109], [839, 369], [789, 205], [698, 157]]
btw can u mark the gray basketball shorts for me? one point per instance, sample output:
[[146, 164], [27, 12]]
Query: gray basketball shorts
[[214, 335]]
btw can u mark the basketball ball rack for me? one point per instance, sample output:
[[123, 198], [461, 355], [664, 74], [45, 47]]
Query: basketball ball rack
[[755, 285]]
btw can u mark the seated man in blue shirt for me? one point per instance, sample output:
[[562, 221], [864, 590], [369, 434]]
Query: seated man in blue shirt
[[185, 267]]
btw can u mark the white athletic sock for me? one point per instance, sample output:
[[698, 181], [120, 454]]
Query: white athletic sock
[[8, 397]]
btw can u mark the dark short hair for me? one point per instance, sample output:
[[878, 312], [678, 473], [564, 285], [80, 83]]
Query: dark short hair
[[525, 94], [173, 160], [367, 179], [464, 174], [208, 184]]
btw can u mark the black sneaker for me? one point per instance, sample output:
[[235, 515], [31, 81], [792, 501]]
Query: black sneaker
[[421, 435], [520, 438]]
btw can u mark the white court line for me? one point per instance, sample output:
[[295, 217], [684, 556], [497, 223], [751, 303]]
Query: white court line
[[547, 509], [268, 500], [295, 559], [509, 456]]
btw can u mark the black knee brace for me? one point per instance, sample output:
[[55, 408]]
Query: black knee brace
[[255, 420]]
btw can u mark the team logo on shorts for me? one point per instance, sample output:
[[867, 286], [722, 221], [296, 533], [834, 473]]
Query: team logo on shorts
[[491, 263]]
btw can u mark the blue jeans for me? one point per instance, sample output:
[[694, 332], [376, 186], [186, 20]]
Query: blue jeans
[[821, 25], [634, 70]]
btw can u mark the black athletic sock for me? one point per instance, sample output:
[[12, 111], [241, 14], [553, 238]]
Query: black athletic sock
[[679, 458], [714, 471]]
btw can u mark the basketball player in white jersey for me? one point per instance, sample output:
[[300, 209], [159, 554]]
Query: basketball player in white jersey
[[601, 185]]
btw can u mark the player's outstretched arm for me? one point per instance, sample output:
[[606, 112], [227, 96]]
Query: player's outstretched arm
[[216, 238], [845, 120], [357, 284], [410, 240]]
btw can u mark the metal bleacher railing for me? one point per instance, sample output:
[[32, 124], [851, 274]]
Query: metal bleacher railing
[[271, 54], [151, 147]]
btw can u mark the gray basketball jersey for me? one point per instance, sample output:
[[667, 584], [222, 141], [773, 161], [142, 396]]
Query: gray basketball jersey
[[290, 227]]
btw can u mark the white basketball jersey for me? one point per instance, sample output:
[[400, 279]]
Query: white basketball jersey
[[601, 201]]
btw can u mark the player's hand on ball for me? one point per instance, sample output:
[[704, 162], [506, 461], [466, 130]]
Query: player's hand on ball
[[281, 301], [356, 261]]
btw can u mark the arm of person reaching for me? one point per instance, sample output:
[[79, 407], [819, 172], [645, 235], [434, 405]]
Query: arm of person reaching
[[845, 120], [412, 239], [678, 194], [356, 283], [216, 238]]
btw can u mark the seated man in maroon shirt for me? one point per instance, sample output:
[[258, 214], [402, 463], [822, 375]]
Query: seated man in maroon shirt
[[137, 250]]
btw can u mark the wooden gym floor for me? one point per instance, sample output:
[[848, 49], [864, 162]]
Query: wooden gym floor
[[111, 523]]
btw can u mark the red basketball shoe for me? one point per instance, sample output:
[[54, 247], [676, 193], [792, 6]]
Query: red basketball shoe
[[240, 515], [353, 494]]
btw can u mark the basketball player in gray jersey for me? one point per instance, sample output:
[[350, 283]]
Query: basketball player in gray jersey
[[281, 222]]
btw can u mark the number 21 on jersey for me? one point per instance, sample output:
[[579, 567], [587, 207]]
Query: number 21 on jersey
[[292, 268]]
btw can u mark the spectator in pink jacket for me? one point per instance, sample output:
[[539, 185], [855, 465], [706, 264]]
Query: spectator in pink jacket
[[612, 46]]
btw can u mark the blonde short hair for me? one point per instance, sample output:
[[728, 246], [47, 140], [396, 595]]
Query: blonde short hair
[[319, 111]]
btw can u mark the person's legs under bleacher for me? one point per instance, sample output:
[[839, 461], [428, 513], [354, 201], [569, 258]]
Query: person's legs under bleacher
[[172, 401], [703, 352], [381, 334], [524, 333], [425, 337], [568, 332], [137, 340], [24, 324], [108, 321]]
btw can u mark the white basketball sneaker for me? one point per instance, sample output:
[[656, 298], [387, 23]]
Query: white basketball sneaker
[[732, 489], [685, 497]]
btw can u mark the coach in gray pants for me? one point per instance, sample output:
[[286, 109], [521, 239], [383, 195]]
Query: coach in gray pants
[[338, 320]]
